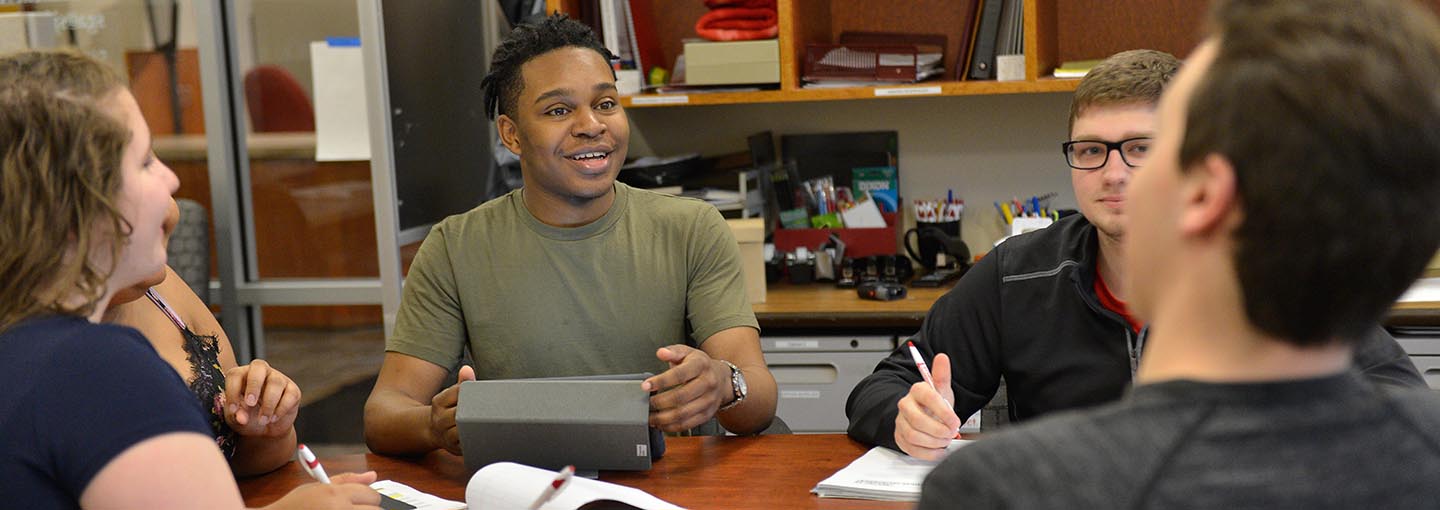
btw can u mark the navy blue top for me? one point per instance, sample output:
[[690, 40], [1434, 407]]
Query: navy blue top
[[73, 396]]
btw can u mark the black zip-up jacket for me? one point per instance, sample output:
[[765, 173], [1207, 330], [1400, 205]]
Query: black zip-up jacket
[[1028, 312]]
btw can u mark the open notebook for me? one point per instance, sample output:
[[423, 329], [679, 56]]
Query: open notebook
[[881, 474], [506, 485]]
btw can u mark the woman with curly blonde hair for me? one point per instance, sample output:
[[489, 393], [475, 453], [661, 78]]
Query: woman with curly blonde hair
[[92, 417]]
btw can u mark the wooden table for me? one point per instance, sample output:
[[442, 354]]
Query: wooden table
[[825, 306], [739, 473]]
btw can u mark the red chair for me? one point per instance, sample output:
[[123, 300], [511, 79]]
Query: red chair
[[276, 102]]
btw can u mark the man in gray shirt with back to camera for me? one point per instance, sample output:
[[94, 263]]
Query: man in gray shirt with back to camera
[[1287, 203], [1045, 311]]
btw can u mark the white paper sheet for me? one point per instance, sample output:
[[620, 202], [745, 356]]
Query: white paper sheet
[[342, 121], [409, 495]]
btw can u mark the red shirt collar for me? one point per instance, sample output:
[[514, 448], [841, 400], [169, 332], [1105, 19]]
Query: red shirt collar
[[1110, 302]]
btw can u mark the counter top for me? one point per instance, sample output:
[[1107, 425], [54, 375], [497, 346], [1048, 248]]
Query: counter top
[[262, 146], [825, 306]]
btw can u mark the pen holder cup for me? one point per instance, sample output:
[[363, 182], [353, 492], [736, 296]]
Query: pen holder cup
[[932, 239]]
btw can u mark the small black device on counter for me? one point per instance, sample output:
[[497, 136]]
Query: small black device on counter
[[938, 277], [847, 275], [880, 291], [801, 265]]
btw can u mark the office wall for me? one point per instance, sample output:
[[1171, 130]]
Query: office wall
[[106, 29], [986, 148], [283, 30], [272, 31]]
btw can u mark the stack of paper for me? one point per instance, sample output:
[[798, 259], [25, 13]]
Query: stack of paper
[[720, 198], [927, 65], [1075, 68], [881, 474]]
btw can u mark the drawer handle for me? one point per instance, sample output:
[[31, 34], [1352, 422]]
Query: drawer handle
[[805, 373]]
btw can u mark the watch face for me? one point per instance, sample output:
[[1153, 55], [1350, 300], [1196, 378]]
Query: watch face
[[739, 381]]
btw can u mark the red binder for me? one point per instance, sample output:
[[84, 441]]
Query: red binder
[[647, 42]]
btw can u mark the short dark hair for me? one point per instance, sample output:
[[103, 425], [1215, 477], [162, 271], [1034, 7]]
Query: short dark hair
[[1329, 111], [1125, 78], [503, 83]]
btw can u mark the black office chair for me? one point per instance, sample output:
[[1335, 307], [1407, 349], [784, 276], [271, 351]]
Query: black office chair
[[996, 414], [189, 248]]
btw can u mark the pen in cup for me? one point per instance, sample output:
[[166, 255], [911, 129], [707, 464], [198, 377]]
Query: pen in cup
[[310, 464], [562, 480], [925, 373]]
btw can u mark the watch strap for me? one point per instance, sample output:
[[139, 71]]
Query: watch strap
[[734, 387]]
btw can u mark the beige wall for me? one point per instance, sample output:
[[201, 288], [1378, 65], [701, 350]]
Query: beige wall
[[986, 148], [275, 32], [283, 30], [106, 29]]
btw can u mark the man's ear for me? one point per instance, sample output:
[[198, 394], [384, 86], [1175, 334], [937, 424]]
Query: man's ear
[[1209, 196], [509, 133]]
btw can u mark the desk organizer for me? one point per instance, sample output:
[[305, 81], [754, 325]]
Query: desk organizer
[[860, 62], [859, 242]]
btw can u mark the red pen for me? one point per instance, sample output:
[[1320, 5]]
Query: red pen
[[561, 480], [309, 464]]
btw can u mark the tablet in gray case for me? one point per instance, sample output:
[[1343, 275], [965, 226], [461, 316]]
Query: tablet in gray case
[[591, 423]]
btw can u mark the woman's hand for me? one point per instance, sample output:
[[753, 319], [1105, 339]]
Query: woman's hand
[[260, 401]]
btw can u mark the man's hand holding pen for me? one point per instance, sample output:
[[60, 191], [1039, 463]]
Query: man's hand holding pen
[[927, 421], [689, 392]]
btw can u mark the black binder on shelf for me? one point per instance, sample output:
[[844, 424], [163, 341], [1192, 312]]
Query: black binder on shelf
[[982, 58]]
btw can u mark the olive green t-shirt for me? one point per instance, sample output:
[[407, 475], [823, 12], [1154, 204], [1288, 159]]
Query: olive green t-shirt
[[532, 300]]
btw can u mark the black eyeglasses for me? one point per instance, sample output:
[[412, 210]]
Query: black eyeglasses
[[1090, 155]]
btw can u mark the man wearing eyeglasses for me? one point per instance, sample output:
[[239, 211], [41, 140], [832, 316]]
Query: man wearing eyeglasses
[[1043, 310]]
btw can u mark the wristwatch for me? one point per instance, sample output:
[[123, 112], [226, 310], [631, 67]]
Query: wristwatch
[[737, 384]]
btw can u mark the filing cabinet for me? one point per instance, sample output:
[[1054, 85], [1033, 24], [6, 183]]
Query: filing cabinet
[[1423, 345], [1429, 367], [815, 374]]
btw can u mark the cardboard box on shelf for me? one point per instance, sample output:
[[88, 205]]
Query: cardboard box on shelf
[[750, 233], [732, 62]]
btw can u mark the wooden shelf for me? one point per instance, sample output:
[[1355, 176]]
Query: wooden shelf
[[821, 21], [260, 146], [924, 89], [1055, 31]]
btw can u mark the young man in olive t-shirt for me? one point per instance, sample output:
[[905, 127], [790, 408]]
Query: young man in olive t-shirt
[[574, 274]]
